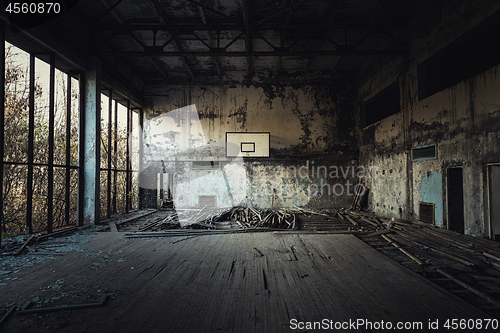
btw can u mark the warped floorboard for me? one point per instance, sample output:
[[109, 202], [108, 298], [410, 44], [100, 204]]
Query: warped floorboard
[[228, 283]]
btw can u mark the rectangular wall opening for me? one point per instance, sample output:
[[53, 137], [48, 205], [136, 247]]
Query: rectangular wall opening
[[384, 104], [426, 212], [207, 201], [205, 165], [455, 200], [466, 57], [423, 153]]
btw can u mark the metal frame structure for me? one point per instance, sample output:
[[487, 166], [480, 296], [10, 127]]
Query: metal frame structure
[[250, 33], [2, 121], [31, 163], [112, 170]]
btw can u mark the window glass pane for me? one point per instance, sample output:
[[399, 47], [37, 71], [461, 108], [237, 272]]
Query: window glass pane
[[14, 199], [16, 104]]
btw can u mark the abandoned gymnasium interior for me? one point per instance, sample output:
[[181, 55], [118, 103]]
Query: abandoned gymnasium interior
[[250, 166]]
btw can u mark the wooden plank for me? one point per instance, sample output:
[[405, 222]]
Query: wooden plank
[[368, 221], [209, 284], [430, 248], [341, 295], [474, 290], [113, 227], [402, 250], [491, 256], [377, 233], [102, 302], [19, 250], [7, 314], [351, 220], [134, 217]]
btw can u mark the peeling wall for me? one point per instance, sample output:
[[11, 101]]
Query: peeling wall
[[310, 126], [462, 120], [387, 183]]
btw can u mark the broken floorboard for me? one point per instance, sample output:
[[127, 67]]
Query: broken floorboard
[[220, 283]]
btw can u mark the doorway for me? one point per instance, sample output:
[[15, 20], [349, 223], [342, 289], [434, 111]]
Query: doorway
[[494, 195], [165, 184], [455, 200]]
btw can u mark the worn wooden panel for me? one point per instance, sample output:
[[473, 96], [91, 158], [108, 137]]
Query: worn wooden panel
[[222, 284]]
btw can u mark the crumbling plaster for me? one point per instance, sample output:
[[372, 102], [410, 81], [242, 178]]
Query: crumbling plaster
[[463, 121], [311, 125]]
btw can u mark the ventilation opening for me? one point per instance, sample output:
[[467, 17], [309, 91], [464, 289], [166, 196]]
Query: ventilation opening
[[426, 212], [384, 104], [470, 55], [424, 153], [207, 200], [205, 165]]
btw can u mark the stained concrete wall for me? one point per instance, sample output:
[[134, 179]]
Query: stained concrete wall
[[463, 121], [310, 126]]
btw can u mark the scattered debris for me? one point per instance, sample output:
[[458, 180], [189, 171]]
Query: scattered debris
[[24, 245], [38, 251], [102, 302], [359, 197], [464, 265], [263, 218], [260, 254], [7, 314], [470, 288], [396, 245], [113, 227]]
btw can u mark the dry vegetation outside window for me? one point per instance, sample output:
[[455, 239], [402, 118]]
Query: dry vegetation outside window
[[16, 131]]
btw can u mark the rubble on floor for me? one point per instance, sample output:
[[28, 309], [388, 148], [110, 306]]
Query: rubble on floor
[[17, 254], [465, 265], [240, 218]]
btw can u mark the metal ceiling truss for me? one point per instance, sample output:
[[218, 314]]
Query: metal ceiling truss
[[332, 37], [211, 41], [249, 38], [251, 33], [162, 15]]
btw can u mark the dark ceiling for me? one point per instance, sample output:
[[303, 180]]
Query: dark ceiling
[[149, 42]]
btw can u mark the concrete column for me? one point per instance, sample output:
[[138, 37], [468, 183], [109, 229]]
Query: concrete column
[[147, 172], [91, 144]]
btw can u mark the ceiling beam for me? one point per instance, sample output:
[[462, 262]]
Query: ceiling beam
[[392, 10], [211, 41], [109, 10], [279, 62], [162, 15], [333, 12], [287, 9], [201, 4], [337, 65], [329, 20], [249, 38], [133, 34], [344, 50], [187, 28]]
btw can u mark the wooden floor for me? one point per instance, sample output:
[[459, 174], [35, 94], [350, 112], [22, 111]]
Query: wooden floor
[[227, 283]]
